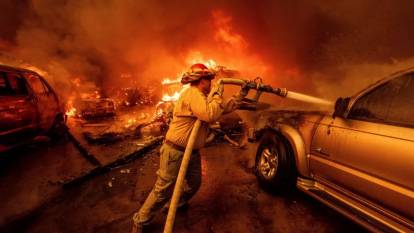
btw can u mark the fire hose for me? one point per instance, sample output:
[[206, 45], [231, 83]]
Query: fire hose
[[246, 85]]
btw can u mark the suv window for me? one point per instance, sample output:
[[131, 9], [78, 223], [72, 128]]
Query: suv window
[[45, 86], [402, 106], [391, 102], [17, 84], [36, 83], [4, 87]]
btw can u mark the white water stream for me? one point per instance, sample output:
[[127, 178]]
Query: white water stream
[[308, 98]]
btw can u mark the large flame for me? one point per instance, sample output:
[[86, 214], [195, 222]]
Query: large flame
[[229, 49], [191, 59], [174, 97]]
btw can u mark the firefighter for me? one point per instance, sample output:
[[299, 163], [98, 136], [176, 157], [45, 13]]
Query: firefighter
[[193, 104]]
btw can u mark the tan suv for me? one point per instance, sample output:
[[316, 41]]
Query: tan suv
[[359, 161]]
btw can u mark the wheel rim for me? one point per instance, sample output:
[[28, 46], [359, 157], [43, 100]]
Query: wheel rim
[[269, 161]]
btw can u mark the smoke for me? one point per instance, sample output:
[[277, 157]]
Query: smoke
[[310, 46]]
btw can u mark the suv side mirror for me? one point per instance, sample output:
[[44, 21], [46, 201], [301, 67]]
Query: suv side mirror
[[341, 105]]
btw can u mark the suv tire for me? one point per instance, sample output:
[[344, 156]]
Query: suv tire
[[58, 129], [275, 166]]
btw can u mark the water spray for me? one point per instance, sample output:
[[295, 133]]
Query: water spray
[[308, 98], [257, 84]]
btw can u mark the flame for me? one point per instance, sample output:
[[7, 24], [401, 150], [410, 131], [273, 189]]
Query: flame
[[169, 98], [158, 111], [168, 81], [174, 97], [193, 58], [97, 95], [210, 63], [71, 111], [231, 49], [197, 57], [90, 95], [130, 122], [135, 121]]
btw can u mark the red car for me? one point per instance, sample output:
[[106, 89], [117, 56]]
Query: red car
[[28, 107]]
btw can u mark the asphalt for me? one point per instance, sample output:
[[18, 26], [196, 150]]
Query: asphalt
[[229, 199], [32, 175]]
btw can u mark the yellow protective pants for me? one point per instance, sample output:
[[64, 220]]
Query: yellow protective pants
[[170, 161]]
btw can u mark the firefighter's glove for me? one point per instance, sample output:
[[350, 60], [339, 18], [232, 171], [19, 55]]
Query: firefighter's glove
[[218, 89], [241, 94], [244, 91]]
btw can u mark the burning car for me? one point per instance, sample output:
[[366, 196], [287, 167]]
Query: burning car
[[28, 107], [358, 161], [95, 105], [129, 97], [90, 105], [94, 108]]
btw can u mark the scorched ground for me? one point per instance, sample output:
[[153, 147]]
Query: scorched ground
[[229, 200]]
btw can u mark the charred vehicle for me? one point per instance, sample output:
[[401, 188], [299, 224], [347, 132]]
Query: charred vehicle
[[94, 104], [97, 107], [129, 97], [359, 161], [28, 107]]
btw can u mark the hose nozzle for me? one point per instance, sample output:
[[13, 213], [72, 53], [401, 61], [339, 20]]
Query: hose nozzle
[[246, 85], [282, 92]]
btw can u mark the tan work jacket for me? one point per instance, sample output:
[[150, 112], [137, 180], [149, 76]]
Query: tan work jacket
[[191, 105]]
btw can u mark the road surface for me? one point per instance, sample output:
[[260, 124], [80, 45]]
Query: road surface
[[229, 199]]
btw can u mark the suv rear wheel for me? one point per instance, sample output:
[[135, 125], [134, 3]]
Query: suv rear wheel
[[58, 129], [275, 166]]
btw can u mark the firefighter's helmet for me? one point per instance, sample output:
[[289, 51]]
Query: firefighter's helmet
[[197, 71]]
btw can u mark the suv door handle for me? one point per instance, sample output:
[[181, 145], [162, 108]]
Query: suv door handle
[[320, 151]]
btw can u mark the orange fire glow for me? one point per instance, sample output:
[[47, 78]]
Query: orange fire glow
[[192, 59], [168, 98], [225, 32], [71, 111], [197, 57], [168, 81], [229, 49], [130, 122]]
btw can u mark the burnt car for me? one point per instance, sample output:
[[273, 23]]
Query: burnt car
[[28, 107], [133, 96], [97, 107], [92, 104], [359, 160]]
